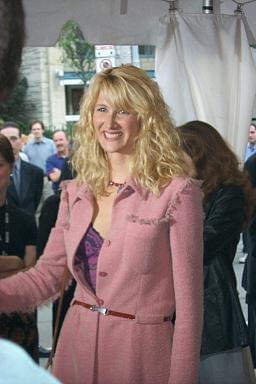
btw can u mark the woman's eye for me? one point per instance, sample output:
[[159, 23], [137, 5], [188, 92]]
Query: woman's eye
[[122, 112], [101, 109]]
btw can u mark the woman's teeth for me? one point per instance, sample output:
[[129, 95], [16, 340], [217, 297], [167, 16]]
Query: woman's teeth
[[112, 135]]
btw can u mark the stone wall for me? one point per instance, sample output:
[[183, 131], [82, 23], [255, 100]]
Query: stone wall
[[34, 68], [45, 94]]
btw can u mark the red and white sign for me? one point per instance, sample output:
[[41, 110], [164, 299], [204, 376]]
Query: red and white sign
[[104, 63], [104, 51]]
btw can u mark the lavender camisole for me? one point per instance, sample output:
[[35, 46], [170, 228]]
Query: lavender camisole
[[87, 255]]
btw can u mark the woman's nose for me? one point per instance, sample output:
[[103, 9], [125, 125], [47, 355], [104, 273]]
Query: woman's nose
[[111, 120]]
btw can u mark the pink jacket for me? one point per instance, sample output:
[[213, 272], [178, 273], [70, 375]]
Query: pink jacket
[[150, 265]]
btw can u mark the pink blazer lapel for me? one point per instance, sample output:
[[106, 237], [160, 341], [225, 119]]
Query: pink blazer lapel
[[81, 212]]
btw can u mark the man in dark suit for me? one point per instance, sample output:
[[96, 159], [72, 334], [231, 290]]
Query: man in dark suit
[[26, 187]]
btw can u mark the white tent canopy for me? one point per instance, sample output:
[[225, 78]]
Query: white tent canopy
[[224, 100], [112, 21], [205, 68]]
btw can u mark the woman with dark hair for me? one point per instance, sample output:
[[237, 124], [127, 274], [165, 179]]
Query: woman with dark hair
[[228, 203], [17, 253]]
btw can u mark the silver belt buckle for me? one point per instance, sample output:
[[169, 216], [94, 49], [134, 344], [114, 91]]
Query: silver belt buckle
[[102, 310]]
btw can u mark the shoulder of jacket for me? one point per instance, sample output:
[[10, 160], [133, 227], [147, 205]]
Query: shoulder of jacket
[[68, 185], [225, 194], [230, 189], [31, 166], [180, 185], [71, 188]]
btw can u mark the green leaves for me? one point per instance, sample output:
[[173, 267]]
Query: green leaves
[[16, 107], [76, 51]]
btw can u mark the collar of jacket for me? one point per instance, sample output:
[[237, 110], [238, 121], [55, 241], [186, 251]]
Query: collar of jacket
[[84, 190]]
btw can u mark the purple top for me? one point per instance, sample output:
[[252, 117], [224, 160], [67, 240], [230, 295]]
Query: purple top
[[87, 255]]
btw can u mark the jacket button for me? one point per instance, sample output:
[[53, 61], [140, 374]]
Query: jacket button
[[101, 302], [103, 274], [108, 242]]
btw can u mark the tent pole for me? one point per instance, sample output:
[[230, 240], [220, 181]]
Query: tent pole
[[172, 5]]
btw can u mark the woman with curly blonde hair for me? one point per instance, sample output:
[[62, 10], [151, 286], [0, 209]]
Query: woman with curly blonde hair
[[153, 168], [126, 228]]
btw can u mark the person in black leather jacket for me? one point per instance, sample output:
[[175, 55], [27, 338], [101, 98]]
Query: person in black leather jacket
[[228, 204], [249, 272]]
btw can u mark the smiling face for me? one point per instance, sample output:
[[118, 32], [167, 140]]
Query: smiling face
[[61, 143], [117, 130]]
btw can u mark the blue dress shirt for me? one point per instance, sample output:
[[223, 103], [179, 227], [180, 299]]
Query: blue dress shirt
[[39, 151]]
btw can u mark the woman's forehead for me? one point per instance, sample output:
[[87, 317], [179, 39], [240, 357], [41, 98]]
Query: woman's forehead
[[113, 99]]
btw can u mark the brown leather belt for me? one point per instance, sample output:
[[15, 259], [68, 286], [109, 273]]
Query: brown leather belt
[[108, 312]]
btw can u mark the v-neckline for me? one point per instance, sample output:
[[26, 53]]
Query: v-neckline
[[97, 232]]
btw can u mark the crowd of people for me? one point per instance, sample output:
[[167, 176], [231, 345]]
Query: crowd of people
[[141, 224]]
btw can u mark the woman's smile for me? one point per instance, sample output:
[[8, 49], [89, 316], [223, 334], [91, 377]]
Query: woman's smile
[[112, 135]]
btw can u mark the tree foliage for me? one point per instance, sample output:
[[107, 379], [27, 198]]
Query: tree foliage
[[76, 51], [15, 108]]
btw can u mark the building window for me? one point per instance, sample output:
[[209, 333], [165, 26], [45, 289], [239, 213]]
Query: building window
[[147, 50], [74, 94]]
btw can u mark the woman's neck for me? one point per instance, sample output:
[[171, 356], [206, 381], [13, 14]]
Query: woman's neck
[[119, 168]]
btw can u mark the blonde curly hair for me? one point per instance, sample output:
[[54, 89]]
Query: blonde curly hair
[[157, 156]]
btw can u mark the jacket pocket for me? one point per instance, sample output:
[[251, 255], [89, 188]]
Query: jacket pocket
[[141, 246]]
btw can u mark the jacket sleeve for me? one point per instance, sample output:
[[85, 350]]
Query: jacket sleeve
[[27, 290], [223, 220], [186, 236]]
